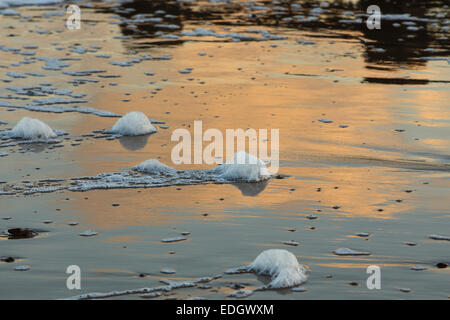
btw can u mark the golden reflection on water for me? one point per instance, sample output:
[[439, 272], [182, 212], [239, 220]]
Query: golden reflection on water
[[231, 98]]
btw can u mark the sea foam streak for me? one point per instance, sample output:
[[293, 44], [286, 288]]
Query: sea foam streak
[[153, 174]]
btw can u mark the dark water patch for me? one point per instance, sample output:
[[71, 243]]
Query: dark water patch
[[21, 233], [252, 189], [379, 68], [408, 28], [402, 81], [133, 143]]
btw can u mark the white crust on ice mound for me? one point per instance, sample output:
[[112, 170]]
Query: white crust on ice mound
[[154, 166], [244, 167], [282, 266], [32, 129], [134, 123]]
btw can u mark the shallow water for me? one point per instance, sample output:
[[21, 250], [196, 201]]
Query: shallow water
[[386, 172]]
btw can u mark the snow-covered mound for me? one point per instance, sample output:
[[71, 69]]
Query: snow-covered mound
[[154, 166], [32, 129], [244, 167], [133, 124], [282, 266]]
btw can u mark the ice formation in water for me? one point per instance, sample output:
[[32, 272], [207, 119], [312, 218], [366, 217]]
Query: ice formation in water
[[15, 3], [156, 175], [32, 129], [244, 167], [133, 124], [350, 252], [168, 286], [282, 266], [154, 166]]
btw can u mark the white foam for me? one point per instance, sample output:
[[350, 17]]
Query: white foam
[[169, 286], [32, 129], [154, 166], [244, 167], [157, 175], [282, 266], [133, 124]]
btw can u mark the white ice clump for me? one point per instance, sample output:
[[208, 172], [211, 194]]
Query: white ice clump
[[241, 293], [32, 129], [282, 266], [22, 268], [133, 124], [244, 167], [154, 166], [439, 237], [350, 252], [88, 233]]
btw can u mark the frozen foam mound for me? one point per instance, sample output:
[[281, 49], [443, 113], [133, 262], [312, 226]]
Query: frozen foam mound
[[244, 167], [32, 129], [282, 266], [154, 166], [133, 124]]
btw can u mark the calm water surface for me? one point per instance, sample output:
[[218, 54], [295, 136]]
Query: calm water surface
[[381, 166]]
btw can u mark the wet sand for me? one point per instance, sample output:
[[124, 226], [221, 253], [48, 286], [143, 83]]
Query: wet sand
[[378, 164]]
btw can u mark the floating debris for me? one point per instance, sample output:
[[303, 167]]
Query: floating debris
[[439, 237], [299, 289], [88, 233], [7, 259], [21, 233], [168, 271], [22, 268], [174, 239], [418, 268], [363, 234], [350, 252], [290, 243], [241, 293]]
